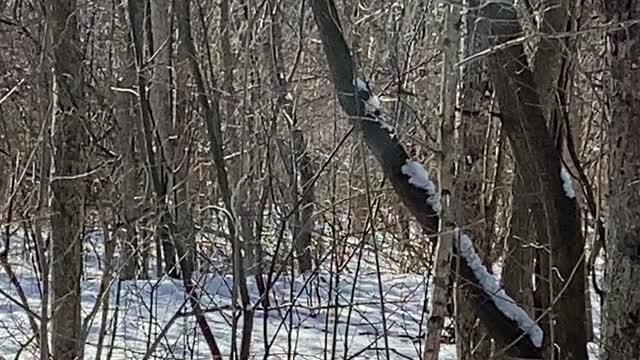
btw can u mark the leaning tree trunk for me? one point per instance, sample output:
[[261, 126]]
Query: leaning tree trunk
[[67, 188], [505, 321], [622, 305]]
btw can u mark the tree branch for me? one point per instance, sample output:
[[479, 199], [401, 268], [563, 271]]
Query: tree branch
[[392, 157]]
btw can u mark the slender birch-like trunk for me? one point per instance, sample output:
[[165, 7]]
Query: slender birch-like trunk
[[447, 170]]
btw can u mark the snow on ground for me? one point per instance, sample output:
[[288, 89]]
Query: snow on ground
[[146, 306]]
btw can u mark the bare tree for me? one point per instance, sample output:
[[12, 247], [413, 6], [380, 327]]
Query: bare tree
[[67, 182], [280, 201], [211, 107]]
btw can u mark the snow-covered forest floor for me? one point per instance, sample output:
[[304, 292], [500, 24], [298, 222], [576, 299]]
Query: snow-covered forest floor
[[323, 315]]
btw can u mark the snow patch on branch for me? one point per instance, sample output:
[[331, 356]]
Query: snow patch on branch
[[386, 126], [361, 85], [372, 103], [489, 284], [567, 185], [419, 177]]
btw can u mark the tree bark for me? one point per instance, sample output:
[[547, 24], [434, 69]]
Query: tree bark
[[517, 274], [447, 171], [550, 53], [67, 189], [157, 170], [126, 115], [622, 305], [556, 216], [471, 339]]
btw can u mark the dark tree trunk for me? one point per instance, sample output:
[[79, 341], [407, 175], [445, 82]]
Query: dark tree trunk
[[471, 339], [622, 306], [68, 191], [156, 168], [555, 215]]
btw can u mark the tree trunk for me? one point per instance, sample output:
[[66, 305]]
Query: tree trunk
[[622, 305], [68, 191], [305, 191], [550, 53], [160, 100], [183, 148], [157, 170], [447, 172], [126, 116], [302, 170], [517, 274], [471, 339], [47, 111], [555, 215]]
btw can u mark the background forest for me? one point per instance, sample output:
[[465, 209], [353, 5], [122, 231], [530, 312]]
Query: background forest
[[320, 179]]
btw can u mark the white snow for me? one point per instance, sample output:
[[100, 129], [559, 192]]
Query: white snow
[[419, 177], [361, 85], [303, 319], [386, 126], [567, 185], [302, 310], [500, 298], [373, 105]]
